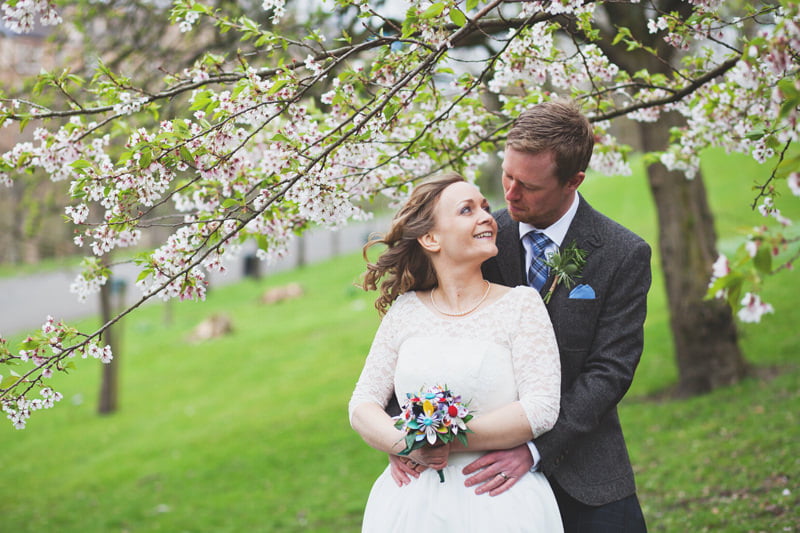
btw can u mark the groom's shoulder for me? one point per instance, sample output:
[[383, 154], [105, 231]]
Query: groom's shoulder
[[610, 229]]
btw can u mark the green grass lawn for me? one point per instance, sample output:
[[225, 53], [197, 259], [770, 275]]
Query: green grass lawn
[[249, 432]]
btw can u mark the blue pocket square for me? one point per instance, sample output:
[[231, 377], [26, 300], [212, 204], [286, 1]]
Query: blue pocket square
[[582, 292]]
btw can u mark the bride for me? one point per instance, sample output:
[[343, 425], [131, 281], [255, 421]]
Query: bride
[[494, 346]]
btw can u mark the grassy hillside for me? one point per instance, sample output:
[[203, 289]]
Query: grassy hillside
[[249, 432]]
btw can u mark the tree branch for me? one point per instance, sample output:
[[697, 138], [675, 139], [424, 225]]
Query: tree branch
[[676, 96]]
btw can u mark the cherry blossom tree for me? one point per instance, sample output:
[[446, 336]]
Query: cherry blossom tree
[[296, 129]]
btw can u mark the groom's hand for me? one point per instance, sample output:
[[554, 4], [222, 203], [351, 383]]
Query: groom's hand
[[498, 471]]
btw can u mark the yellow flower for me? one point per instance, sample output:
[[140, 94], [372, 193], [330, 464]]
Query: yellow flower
[[427, 408]]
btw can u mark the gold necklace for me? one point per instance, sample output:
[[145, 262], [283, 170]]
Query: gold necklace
[[465, 313]]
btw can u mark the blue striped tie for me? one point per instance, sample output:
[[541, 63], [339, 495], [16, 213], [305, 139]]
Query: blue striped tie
[[538, 271]]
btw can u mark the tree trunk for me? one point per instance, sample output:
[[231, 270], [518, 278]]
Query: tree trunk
[[704, 332], [706, 346], [107, 401]]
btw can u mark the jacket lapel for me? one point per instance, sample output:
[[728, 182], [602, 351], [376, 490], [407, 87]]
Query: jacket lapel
[[582, 231], [511, 256]]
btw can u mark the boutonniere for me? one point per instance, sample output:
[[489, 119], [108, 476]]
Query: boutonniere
[[567, 265]]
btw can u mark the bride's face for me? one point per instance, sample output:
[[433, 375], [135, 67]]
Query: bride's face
[[464, 227]]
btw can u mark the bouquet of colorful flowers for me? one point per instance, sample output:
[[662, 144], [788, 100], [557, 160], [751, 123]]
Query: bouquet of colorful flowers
[[430, 416]]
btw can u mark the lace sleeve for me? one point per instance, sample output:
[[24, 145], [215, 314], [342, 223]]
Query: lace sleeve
[[537, 365], [376, 383]]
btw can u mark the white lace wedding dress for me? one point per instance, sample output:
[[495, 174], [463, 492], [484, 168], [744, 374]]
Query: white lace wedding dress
[[503, 352]]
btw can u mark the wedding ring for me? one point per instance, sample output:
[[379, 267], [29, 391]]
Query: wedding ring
[[503, 475]]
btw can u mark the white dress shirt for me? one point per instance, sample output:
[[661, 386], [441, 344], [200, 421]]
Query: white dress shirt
[[556, 233]]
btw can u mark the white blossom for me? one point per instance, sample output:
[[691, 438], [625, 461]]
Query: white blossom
[[278, 7], [794, 183], [22, 17], [719, 269], [753, 308], [84, 287]]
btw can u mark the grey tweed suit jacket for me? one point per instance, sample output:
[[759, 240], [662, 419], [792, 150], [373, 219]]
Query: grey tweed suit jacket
[[600, 342]]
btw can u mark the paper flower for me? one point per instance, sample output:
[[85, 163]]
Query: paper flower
[[433, 416]]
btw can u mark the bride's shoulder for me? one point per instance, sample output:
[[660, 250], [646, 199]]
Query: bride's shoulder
[[406, 299], [523, 293], [512, 295], [520, 291]]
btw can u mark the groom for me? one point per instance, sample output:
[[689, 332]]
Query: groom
[[598, 325]]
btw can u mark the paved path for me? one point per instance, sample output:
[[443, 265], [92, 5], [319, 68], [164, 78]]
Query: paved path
[[26, 301]]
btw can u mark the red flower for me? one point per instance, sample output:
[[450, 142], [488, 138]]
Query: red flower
[[452, 410]]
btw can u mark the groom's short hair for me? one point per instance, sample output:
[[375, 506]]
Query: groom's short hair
[[556, 126]]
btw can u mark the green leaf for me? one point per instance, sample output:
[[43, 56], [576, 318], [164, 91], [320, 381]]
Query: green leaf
[[9, 380], [143, 275], [731, 282], [265, 39], [787, 107], [30, 344], [755, 135], [410, 441], [186, 155], [280, 84], [433, 11], [457, 17], [763, 260], [230, 203], [146, 159], [80, 163], [389, 111], [622, 33], [409, 22], [787, 166]]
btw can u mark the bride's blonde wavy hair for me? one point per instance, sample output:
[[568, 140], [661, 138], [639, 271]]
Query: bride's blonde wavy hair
[[404, 264]]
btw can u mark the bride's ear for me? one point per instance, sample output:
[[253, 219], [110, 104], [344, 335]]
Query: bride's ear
[[429, 242]]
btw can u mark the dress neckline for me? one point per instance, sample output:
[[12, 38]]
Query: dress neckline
[[457, 318]]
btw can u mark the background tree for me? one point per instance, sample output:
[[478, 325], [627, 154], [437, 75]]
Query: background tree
[[706, 347], [292, 131]]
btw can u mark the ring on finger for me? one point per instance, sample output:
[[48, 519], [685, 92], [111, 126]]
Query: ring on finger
[[504, 476]]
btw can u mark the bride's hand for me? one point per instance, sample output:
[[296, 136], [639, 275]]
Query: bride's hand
[[432, 456], [402, 467]]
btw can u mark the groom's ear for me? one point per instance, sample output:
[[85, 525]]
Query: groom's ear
[[429, 242]]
